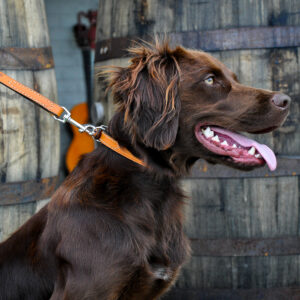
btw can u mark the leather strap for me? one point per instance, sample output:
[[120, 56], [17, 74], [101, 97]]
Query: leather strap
[[109, 142], [32, 95], [58, 111]]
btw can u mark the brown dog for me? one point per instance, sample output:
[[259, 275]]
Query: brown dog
[[113, 230]]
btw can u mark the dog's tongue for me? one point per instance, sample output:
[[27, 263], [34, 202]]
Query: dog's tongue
[[267, 154]]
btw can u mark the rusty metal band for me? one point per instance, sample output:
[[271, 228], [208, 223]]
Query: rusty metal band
[[246, 247], [286, 166], [275, 293], [212, 40], [27, 191], [26, 58]]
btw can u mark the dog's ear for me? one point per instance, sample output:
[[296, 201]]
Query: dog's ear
[[147, 92]]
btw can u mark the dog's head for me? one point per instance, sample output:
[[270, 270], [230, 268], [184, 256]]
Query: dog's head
[[183, 105]]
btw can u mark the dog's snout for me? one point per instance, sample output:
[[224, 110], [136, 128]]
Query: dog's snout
[[281, 101]]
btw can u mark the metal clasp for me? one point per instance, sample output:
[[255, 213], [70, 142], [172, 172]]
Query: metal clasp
[[64, 117], [102, 127], [88, 128], [99, 129]]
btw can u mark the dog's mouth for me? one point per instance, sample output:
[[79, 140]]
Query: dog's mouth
[[241, 149]]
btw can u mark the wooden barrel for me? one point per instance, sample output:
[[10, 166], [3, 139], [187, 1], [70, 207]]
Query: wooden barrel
[[244, 227], [29, 137]]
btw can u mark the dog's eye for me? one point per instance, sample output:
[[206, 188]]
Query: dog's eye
[[210, 80]]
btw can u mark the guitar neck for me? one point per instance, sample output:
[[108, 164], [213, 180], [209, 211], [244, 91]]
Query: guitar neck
[[88, 64]]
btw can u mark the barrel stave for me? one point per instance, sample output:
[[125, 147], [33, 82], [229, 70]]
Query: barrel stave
[[29, 137]]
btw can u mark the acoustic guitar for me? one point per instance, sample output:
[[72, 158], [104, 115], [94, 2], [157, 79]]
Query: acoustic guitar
[[85, 38]]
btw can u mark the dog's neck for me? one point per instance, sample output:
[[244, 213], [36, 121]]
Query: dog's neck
[[166, 163]]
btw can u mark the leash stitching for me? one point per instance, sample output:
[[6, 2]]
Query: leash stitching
[[15, 85]]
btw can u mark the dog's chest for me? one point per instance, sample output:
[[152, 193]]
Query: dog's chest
[[170, 251], [162, 272], [159, 231]]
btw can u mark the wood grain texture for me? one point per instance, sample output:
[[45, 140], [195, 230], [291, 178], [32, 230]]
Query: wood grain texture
[[240, 207], [29, 137], [280, 293], [138, 17], [13, 216]]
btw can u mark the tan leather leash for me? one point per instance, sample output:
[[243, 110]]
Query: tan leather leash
[[62, 115]]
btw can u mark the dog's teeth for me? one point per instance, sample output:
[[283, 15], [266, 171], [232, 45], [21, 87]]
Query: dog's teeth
[[234, 146], [224, 143], [216, 139], [252, 151], [208, 133], [257, 155]]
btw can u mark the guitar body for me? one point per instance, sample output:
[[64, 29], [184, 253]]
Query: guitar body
[[82, 143]]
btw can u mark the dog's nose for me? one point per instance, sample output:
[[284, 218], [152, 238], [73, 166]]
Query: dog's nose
[[281, 100]]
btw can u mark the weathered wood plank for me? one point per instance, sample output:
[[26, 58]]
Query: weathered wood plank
[[280, 293], [49, 131], [286, 166], [237, 208], [240, 272], [280, 246], [23, 24], [13, 216], [29, 137], [125, 18]]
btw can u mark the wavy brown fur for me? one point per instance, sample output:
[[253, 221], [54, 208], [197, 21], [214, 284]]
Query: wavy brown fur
[[157, 65]]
